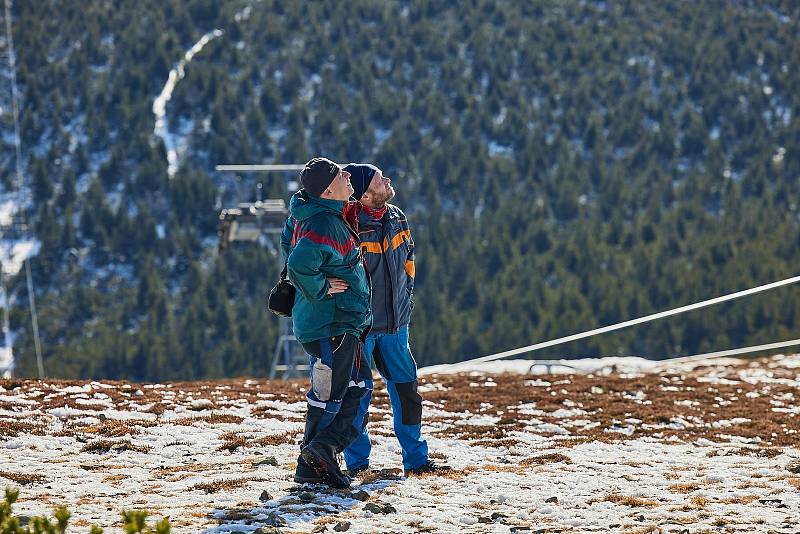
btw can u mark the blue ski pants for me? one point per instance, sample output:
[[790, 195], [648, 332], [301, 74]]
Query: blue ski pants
[[395, 363]]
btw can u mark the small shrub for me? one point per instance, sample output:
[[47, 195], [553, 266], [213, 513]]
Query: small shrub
[[134, 522]]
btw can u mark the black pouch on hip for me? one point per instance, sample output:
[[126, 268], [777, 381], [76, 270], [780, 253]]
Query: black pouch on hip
[[281, 298]]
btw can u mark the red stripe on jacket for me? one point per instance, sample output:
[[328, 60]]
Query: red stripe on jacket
[[319, 239]]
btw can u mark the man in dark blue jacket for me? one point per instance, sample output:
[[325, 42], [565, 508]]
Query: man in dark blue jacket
[[385, 239]]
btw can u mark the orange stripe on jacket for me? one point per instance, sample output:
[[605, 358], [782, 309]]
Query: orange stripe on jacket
[[410, 269], [398, 239], [370, 246]]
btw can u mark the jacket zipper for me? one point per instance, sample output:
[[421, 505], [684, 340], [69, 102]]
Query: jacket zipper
[[390, 302]]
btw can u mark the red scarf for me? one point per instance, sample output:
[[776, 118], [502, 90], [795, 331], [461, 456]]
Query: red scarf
[[350, 211], [376, 214]]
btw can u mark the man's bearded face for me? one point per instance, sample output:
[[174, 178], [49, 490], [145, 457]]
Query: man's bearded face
[[380, 190]]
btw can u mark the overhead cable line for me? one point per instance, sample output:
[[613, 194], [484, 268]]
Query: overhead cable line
[[21, 200], [632, 322]]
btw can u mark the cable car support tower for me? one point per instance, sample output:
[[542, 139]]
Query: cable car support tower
[[249, 221]]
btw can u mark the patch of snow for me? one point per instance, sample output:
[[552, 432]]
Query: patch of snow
[[15, 399], [564, 366], [6, 212], [66, 411], [77, 389], [160, 103], [201, 404], [496, 149], [548, 428], [14, 253], [244, 14]]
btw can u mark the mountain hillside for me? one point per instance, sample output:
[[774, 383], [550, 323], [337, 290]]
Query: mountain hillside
[[564, 166]]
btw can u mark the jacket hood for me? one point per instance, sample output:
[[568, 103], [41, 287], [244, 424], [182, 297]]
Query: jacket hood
[[303, 206]]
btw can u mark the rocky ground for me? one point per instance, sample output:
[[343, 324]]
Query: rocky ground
[[708, 447]]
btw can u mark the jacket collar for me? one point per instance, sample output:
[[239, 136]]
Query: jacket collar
[[302, 205]]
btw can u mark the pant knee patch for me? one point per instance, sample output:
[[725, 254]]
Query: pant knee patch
[[411, 403], [321, 380], [332, 363]]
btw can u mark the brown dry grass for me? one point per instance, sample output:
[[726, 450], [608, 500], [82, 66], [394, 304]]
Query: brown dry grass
[[450, 474], [767, 452], [24, 479], [746, 499], [372, 476], [685, 488], [187, 468], [232, 441], [504, 468], [505, 442], [106, 445], [268, 412], [13, 428], [609, 398], [629, 500], [114, 428], [242, 511], [113, 479], [794, 481], [650, 529], [224, 484], [278, 439], [212, 419], [473, 432], [545, 459], [747, 485]]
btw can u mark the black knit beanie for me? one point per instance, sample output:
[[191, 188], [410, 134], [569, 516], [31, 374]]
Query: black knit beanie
[[361, 175], [317, 175]]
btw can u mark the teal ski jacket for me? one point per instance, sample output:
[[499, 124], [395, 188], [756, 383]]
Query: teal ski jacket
[[320, 240]]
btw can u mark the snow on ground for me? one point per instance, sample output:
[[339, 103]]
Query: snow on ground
[[611, 364], [589, 365], [710, 447]]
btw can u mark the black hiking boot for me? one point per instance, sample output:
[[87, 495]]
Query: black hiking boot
[[305, 474], [429, 468], [322, 459]]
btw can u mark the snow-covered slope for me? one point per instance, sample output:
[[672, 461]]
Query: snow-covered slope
[[708, 448]]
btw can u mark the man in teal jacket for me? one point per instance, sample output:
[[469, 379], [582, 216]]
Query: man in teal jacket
[[331, 316]]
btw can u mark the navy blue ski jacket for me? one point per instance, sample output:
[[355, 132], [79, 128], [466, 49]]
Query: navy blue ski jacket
[[389, 253]]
